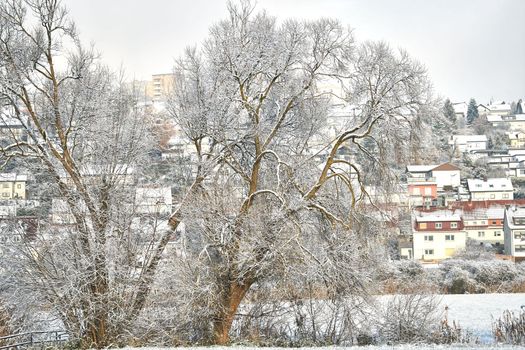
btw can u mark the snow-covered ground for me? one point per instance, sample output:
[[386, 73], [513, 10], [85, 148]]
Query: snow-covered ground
[[475, 312]]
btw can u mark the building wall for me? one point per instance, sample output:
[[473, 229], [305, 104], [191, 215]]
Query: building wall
[[447, 178], [423, 190], [12, 190], [439, 247], [485, 234], [487, 196]]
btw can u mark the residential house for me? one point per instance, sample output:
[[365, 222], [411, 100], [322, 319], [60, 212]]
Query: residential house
[[499, 108], [447, 176], [153, 200], [468, 143], [490, 189], [514, 123], [425, 181], [12, 186], [485, 225], [11, 127], [422, 187], [437, 235], [516, 139], [514, 228]]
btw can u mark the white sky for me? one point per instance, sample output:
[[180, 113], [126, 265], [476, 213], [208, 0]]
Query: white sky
[[472, 48]]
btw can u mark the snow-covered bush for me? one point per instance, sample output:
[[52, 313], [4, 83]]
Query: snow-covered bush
[[460, 276], [410, 318], [510, 328]]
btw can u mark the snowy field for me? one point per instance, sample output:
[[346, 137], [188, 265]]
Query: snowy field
[[474, 312]]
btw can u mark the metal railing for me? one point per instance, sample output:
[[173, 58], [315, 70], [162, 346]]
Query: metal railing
[[15, 341]]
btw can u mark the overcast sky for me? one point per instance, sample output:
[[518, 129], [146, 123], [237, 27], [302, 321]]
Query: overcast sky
[[472, 48]]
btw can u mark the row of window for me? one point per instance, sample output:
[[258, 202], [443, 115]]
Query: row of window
[[438, 225], [447, 238], [474, 223], [6, 185]]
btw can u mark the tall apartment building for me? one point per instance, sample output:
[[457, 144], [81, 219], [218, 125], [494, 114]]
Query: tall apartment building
[[157, 89]]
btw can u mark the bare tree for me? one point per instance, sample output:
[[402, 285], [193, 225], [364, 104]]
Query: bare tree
[[84, 131], [273, 196]]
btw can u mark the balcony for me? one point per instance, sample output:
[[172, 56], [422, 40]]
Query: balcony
[[421, 180]]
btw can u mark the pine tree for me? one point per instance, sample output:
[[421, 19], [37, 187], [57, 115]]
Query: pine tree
[[472, 111], [449, 112]]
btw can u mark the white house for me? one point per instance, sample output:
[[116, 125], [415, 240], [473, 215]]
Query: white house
[[447, 175], [153, 200], [515, 123], [514, 228], [437, 235], [490, 189], [467, 143], [444, 175]]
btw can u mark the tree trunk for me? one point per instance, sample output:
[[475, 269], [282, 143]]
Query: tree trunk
[[231, 301]]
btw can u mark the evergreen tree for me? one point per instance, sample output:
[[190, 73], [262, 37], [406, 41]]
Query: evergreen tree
[[449, 112], [472, 111]]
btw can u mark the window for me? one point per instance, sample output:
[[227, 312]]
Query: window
[[416, 191], [453, 225], [519, 248], [449, 237], [5, 194], [519, 221], [428, 191], [429, 238], [5, 185], [505, 195], [429, 251], [497, 233], [422, 225], [481, 234], [492, 196], [438, 225], [519, 234], [491, 185], [474, 223], [19, 186], [494, 222]]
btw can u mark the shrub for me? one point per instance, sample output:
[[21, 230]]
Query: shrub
[[510, 328]]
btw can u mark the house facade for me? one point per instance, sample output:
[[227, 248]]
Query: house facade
[[468, 143], [437, 236], [485, 225], [490, 189], [514, 228], [12, 186]]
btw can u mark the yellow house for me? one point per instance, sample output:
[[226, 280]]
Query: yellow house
[[12, 186], [517, 139]]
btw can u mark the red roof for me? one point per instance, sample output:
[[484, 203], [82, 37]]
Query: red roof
[[445, 167]]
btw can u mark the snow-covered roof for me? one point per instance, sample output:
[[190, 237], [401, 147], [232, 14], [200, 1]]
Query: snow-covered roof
[[12, 177], [463, 139], [489, 185], [515, 213], [420, 168], [438, 217]]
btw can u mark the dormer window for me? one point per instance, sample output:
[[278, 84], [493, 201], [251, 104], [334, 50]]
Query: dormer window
[[519, 221]]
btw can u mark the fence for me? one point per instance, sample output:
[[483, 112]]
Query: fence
[[15, 341]]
